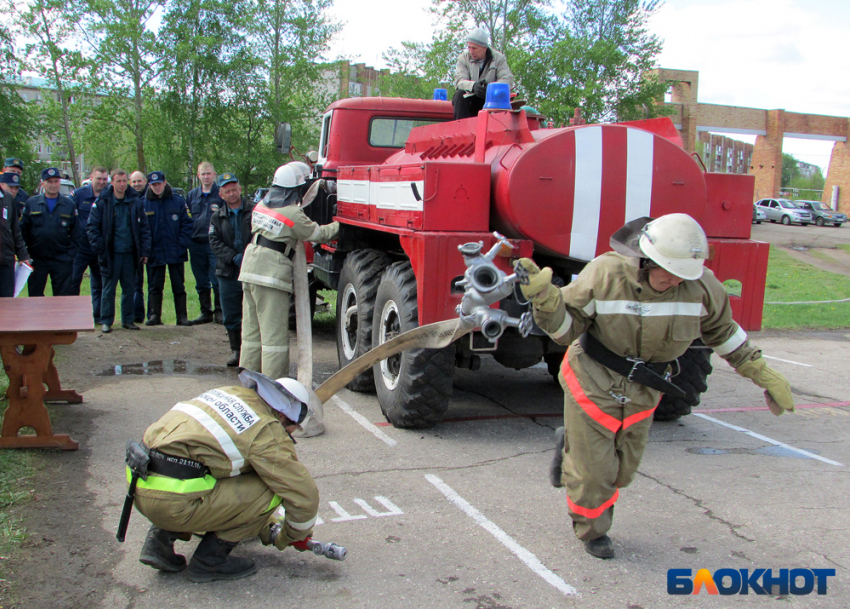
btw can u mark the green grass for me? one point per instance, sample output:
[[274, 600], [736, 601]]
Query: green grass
[[789, 280], [845, 247]]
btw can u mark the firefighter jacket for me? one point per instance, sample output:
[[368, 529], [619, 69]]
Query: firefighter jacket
[[222, 238], [232, 431], [53, 235], [11, 240], [202, 206], [171, 227], [611, 301], [467, 71], [101, 228], [84, 198], [286, 225]]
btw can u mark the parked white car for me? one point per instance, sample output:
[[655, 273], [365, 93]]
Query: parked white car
[[785, 211]]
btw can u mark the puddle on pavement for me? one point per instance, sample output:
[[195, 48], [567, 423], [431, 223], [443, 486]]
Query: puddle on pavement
[[770, 451], [169, 367]]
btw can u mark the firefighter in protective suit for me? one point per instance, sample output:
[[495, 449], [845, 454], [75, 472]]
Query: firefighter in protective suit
[[626, 318], [277, 224], [221, 464]]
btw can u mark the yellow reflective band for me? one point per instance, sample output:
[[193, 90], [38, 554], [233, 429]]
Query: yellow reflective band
[[173, 485], [276, 501]]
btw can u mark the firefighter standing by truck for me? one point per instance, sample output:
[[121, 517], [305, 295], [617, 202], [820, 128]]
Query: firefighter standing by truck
[[629, 315], [278, 223], [221, 464]]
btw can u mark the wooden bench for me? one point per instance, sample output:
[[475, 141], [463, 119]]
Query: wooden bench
[[37, 324]]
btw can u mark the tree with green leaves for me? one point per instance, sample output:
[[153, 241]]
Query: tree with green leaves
[[128, 52], [50, 27], [16, 119]]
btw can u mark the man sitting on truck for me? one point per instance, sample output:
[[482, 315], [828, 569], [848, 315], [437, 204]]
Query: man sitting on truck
[[477, 66], [629, 315]]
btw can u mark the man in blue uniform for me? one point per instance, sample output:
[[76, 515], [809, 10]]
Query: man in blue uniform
[[203, 202], [16, 165], [171, 232], [139, 183], [86, 259], [53, 235], [121, 237]]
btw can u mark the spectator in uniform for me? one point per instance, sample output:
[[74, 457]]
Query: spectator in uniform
[[53, 235], [84, 198], [171, 231], [230, 233], [16, 165], [11, 240], [121, 237], [139, 183], [203, 202]]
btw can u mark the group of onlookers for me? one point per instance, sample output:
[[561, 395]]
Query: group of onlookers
[[117, 227]]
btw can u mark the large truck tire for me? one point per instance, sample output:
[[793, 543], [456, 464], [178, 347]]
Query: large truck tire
[[693, 379], [414, 386], [355, 307]]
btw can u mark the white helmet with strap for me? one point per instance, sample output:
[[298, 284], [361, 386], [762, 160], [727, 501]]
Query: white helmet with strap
[[290, 175], [676, 243]]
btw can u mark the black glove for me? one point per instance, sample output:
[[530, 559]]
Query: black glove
[[480, 88]]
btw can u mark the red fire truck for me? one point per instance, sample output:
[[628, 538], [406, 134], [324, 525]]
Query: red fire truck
[[413, 185]]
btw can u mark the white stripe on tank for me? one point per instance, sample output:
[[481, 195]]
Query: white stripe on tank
[[587, 196], [639, 154]]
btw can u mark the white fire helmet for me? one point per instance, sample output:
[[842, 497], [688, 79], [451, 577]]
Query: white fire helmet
[[676, 243], [313, 422], [290, 175]]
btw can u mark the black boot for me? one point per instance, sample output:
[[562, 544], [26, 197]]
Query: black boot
[[154, 310], [180, 310], [218, 313], [235, 338], [212, 561], [158, 551], [557, 459], [601, 547], [206, 315]]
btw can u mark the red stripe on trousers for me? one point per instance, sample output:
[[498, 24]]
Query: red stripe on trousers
[[592, 410], [597, 512]]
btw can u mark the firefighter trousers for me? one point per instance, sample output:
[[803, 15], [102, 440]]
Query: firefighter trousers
[[607, 420], [265, 330], [234, 509]]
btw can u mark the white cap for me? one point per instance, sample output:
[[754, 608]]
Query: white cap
[[479, 36], [676, 243]]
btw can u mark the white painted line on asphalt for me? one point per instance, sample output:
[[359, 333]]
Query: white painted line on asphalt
[[758, 436], [530, 560], [364, 422], [787, 361]]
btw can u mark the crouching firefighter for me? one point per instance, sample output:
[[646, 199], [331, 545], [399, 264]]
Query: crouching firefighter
[[626, 318], [220, 465]]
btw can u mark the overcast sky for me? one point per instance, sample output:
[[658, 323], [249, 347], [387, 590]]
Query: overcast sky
[[790, 54]]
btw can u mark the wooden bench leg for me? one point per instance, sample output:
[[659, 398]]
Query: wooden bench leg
[[26, 400]]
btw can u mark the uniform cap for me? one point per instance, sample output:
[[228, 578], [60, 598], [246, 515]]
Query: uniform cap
[[50, 172], [10, 178], [479, 36], [14, 162], [226, 178], [155, 177]]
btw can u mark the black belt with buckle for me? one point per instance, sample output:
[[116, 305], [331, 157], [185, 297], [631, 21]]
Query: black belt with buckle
[[649, 374], [277, 246]]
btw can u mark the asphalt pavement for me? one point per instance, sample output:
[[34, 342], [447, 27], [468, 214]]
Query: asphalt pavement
[[462, 515]]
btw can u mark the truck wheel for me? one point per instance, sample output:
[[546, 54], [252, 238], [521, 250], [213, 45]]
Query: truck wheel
[[695, 367], [355, 305], [414, 386]]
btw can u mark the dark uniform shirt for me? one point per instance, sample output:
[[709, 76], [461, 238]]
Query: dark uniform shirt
[[123, 231], [55, 235]]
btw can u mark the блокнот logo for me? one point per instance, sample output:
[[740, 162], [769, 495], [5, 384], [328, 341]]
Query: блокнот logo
[[742, 581]]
